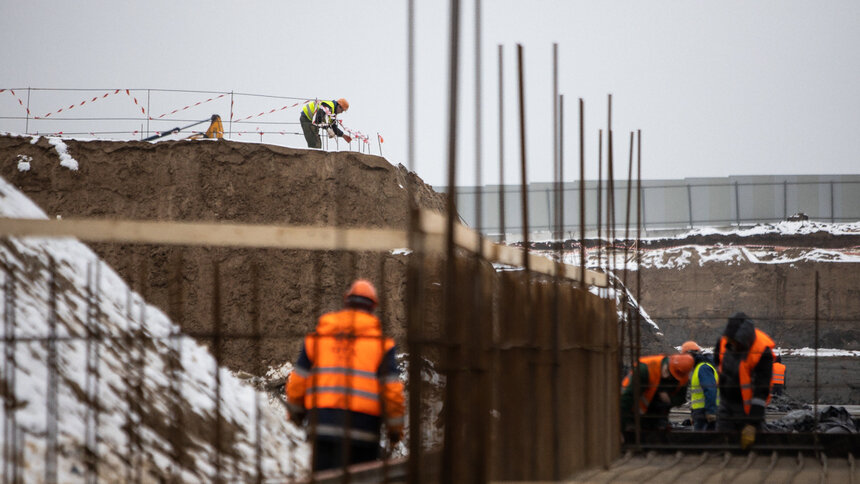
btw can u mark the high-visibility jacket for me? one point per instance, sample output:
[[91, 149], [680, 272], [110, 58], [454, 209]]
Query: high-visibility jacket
[[311, 107], [761, 343], [348, 366], [697, 393], [646, 394], [778, 374]]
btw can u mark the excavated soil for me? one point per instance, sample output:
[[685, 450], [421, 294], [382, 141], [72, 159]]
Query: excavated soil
[[267, 299]]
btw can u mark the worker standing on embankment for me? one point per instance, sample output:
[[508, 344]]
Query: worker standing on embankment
[[346, 380], [744, 358], [322, 114], [662, 385]]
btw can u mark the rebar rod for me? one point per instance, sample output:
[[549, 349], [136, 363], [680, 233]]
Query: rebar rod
[[501, 149], [51, 447], [449, 290], [581, 193]]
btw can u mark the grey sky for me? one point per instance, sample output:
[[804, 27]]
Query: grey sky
[[718, 88]]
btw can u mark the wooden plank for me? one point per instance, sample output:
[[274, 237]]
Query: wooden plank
[[212, 234], [287, 237]]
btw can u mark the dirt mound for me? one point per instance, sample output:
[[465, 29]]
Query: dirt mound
[[267, 298]]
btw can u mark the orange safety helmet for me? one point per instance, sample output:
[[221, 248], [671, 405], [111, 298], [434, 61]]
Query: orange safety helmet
[[343, 103], [680, 366], [689, 346], [362, 288]]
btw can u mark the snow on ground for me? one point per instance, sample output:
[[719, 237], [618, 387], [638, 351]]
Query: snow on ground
[[780, 228], [139, 342]]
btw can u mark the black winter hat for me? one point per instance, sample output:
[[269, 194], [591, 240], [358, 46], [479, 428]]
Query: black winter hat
[[735, 321]]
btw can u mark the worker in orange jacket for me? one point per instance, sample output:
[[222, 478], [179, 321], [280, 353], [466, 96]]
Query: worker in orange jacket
[[346, 383], [662, 385], [744, 358], [777, 382]]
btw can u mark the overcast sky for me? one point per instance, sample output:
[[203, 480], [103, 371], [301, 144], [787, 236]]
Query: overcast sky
[[717, 88]]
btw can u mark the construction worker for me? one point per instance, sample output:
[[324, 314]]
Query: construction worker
[[662, 385], [346, 382], [322, 114], [777, 382], [704, 397], [744, 358]]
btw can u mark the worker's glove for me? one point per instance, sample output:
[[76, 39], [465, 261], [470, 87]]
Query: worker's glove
[[347, 138], [330, 133], [747, 437], [711, 418], [395, 435]]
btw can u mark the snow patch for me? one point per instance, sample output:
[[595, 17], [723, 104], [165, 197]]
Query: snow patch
[[24, 162], [66, 159]]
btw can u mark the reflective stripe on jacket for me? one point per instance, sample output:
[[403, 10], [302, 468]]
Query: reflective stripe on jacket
[[311, 107], [697, 393], [654, 364], [347, 364], [761, 343], [778, 374]]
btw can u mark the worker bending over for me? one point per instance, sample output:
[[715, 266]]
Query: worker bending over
[[322, 114], [744, 358], [346, 382], [662, 385], [704, 397]]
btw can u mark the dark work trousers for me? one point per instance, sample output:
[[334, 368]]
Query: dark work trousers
[[330, 453], [700, 422], [777, 389], [732, 418], [311, 132]]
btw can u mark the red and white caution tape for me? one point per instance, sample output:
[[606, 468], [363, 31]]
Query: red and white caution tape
[[269, 112], [18, 98], [189, 106], [94, 99]]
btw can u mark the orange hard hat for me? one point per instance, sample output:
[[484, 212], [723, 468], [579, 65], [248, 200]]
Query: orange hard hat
[[689, 346], [362, 288], [680, 366], [343, 103]]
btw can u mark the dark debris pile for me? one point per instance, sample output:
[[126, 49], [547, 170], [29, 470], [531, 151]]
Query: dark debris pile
[[831, 420]]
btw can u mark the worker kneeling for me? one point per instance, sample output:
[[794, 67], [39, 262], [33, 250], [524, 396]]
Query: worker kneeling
[[662, 385], [346, 382]]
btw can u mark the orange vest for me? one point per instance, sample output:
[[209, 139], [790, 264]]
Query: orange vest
[[654, 364], [346, 352], [761, 343], [778, 374]]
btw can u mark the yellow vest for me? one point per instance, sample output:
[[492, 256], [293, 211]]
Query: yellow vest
[[697, 395]]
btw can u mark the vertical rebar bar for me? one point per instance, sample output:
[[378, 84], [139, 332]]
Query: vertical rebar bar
[[258, 368], [832, 205], [93, 338], [501, 148], [523, 177], [599, 196], [10, 450], [216, 346], [51, 446], [784, 199], [815, 386], [414, 269], [581, 193], [625, 300], [638, 323], [176, 310], [557, 175], [130, 425], [448, 457]]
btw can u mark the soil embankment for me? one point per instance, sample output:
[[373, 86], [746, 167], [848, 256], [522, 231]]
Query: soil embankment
[[273, 295]]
